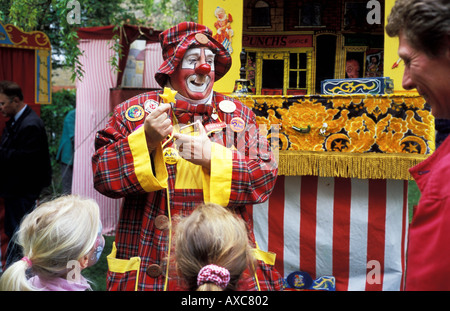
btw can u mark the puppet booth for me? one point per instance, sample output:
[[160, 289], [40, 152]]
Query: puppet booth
[[25, 58], [101, 88], [324, 79]]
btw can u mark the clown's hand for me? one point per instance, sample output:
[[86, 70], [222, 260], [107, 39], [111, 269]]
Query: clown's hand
[[157, 126], [196, 149]]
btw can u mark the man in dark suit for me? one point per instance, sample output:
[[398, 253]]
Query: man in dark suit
[[24, 159]]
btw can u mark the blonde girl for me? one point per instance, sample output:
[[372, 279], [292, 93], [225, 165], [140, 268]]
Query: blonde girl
[[212, 249], [59, 239]]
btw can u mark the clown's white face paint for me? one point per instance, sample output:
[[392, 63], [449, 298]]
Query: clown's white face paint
[[195, 77]]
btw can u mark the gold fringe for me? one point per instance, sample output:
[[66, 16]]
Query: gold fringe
[[349, 165]]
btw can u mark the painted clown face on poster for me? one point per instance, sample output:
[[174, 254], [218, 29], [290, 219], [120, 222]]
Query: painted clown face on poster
[[194, 78]]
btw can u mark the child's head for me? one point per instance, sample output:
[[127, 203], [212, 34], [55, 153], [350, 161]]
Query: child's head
[[211, 248], [55, 234]]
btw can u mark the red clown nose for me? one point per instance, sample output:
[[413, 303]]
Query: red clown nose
[[203, 69]]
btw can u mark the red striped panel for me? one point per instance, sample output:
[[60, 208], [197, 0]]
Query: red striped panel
[[354, 230], [276, 223], [307, 224], [341, 230], [376, 231]]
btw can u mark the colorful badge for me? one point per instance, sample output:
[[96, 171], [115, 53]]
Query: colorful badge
[[134, 113], [227, 106], [171, 155], [150, 105], [237, 124]]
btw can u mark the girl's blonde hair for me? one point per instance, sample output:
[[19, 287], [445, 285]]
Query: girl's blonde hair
[[211, 235], [51, 236]]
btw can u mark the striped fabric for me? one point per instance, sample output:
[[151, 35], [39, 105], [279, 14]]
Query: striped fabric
[[93, 109], [352, 229], [92, 103], [153, 59]]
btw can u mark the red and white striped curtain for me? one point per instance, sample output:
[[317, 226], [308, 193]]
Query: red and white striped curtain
[[352, 229], [153, 59], [92, 113]]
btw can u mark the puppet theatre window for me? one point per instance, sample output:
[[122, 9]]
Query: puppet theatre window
[[261, 14], [325, 58], [298, 71]]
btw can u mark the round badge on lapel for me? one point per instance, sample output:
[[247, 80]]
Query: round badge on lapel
[[134, 113], [227, 106], [171, 155], [237, 124], [150, 105]]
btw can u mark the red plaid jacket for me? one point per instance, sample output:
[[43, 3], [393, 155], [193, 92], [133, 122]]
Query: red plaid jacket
[[243, 173]]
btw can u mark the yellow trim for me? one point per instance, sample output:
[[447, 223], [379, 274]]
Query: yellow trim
[[188, 175], [256, 276], [217, 185], [123, 265], [169, 214], [267, 257], [142, 163], [206, 185]]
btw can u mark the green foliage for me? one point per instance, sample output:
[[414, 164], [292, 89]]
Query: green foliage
[[167, 13], [51, 17], [53, 116], [413, 197]]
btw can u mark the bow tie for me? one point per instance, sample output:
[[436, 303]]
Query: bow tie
[[185, 111]]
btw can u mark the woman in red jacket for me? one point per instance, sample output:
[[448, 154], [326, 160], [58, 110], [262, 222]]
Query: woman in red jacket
[[423, 29]]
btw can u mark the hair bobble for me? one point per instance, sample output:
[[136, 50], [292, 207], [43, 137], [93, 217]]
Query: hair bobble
[[214, 274], [27, 260]]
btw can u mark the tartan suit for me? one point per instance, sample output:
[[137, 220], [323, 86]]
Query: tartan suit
[[148, 186]]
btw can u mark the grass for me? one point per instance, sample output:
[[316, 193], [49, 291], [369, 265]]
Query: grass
[[97, 273], [413, 197]]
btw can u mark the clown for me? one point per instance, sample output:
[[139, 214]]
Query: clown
[[167, 152]]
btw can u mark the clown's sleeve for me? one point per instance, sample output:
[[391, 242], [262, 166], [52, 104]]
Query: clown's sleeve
[[243, 174], [122, 164]]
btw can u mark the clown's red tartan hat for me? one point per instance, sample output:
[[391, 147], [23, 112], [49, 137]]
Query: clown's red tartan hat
[[177, 40]]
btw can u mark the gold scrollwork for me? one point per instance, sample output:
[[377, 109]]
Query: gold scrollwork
[[351, 87]]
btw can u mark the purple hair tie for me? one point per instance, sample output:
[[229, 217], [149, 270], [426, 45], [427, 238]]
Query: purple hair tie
[[213, 274]]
